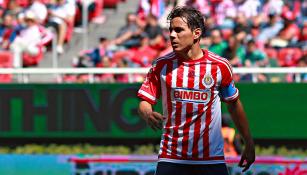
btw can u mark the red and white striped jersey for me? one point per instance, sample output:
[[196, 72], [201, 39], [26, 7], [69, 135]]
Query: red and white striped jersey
[[190, 92]]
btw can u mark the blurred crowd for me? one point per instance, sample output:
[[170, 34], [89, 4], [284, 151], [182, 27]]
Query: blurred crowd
[[27, 27], [249, 33]]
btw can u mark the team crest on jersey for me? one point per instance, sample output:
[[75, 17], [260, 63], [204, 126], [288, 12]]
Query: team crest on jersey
[[208, 81]]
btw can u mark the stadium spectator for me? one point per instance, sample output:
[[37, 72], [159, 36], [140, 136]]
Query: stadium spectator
[[60, 16], [145, 54], [39, 9], [272, 6], [242, 27], [8, 31], [200, 5], [248, 8], [270, 29], [27, 41], [155, 7], [94, 57], [141, 56], [255, 58], [209, 25], [225, 13], [289, 34], [13, 8], [255, 26], [234, 51], [143, 8], [169, 5], [218, 45], [97, 54], [154, 33], [129, 35]]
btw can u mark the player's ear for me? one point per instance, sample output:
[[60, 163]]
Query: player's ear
[[197, 33]]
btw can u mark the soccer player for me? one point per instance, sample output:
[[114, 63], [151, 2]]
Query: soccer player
[[191, 83]]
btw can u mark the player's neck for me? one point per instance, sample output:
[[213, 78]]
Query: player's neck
[[194, 53]]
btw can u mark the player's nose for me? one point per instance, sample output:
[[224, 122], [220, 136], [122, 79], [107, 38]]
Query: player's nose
[[172, 34]]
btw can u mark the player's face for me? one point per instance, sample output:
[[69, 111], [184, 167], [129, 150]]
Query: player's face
[[181, 36]]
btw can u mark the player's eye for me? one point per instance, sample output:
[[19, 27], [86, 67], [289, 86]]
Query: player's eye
[[178, 29]]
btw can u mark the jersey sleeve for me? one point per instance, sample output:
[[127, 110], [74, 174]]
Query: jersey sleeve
[[228, 92], [150, 89], [226, 72]]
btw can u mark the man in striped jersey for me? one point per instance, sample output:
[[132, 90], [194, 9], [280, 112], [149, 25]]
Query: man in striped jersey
[[191, 83]]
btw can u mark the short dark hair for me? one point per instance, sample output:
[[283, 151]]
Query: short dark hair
[[194, 17], [251, 41], [102, 39]]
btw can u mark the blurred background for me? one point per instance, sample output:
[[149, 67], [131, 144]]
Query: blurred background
[[70, 71]]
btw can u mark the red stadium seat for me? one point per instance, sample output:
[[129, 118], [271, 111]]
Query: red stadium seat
[[23, 3], [30, 60], [3, 3], [6, 61], [289, 56], [110, 3], [271, 52], [33, 60], [98, 9], [45, 1]]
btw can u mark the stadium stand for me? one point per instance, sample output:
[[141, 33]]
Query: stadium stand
[[250, 33], [277, 28]]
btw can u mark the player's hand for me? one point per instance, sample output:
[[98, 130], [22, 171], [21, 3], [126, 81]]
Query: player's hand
[[248, 156], [155, 120]]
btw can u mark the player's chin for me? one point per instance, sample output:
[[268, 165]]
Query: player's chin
[[177, 49]]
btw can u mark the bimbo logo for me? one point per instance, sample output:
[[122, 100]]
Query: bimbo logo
[[191, 95]]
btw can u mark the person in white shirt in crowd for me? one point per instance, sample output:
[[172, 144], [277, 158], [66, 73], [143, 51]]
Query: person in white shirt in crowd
[[61, 14], [39, 9], [249, 8], [27, 41]]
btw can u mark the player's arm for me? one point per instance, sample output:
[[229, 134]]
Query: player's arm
[[237, 113], [152, 118], [149, 93], [230, 94]]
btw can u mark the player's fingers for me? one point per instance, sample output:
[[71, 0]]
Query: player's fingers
[[247, 165], [152, 119], [242, 161], [155, 124], [158, 116], [152, 125]]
